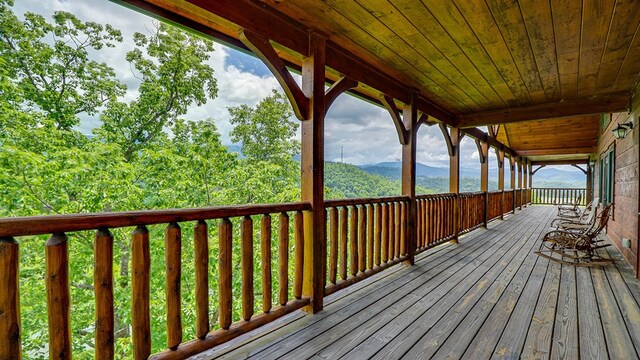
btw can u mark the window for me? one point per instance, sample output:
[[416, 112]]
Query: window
[[607, 169]]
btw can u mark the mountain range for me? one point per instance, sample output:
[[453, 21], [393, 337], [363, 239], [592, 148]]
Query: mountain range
[[392, 169]]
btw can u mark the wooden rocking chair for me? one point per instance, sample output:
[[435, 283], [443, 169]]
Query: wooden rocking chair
[[583, 218], [570, 209], [577, 247]]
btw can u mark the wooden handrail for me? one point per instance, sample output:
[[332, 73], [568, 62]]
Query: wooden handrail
[[52, 224], [364, 201]]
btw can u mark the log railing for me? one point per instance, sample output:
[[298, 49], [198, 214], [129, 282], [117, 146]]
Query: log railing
[[57, 275], [365, 236], [495, 205], [472, 211], [435, 220], [518, 198], [509, 201], [557, 196]]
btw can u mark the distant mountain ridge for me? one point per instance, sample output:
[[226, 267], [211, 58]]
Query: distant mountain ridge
[[392, 169]]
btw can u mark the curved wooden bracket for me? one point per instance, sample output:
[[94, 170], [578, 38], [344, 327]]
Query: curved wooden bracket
[[483, 150], [453, 149], [265, 51], [424, 119], [403, 133], [578, 167], [500, 157], [493, 130], [533, 172], [338, 87]]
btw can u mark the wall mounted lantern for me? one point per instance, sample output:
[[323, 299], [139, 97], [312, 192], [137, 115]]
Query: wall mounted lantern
[[621, 130]]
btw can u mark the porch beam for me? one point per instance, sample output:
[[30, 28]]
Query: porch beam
[[588, 106], [556, 151], [561, 162]]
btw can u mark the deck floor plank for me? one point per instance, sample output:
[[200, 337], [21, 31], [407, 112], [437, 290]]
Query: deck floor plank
[[487, 297]]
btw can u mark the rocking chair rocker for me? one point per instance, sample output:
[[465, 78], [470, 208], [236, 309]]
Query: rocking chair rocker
[[577, 248]]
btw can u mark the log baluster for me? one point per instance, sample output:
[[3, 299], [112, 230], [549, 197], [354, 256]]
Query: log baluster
[[298, 260], [283, 259], [378, 235], [397, 229], [140, 320], [103, 291], [353, 241], [246, 261], [344, 214], [265, 252], [385, 232], [173, 247], [10, 346], [392, 232], [370, 236], [225, 235], [362, 239], [403, 228], [201, 258], [333, 250], [58, 297]]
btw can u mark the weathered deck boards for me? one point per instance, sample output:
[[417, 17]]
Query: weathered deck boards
[[487, 297]]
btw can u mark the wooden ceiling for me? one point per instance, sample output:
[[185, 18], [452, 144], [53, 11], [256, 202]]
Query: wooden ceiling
[[548, 139], [470, 56], [473, 62]]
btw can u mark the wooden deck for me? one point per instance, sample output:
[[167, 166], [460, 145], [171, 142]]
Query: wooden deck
[[487, 297]]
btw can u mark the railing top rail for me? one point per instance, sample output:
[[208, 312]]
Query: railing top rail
[[539, 188], [38, 225], [435, 196], [496, 191], [364, 201]]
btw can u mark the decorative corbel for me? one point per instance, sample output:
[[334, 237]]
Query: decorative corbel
[[262, 47], [338, 87], [451, 147], [533, 172], [481, 151], [581, 169], [390, 105], [500, 157]]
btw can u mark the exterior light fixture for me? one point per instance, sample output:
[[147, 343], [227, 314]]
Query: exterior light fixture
[[621, 130]]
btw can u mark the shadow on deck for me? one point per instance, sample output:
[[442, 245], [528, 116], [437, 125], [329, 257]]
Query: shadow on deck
[[487, 297]]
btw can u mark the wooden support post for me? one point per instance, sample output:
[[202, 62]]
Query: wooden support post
[[512, 169], [452, 139], [519, 162], [483, 152], [524, 182], [589, 181], [500, 156], [410, 115], [530, 191], [312, 163], [10, 347]]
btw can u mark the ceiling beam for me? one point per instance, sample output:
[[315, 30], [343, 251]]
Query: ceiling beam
[[589, 106], [556, 151], [561, 162]]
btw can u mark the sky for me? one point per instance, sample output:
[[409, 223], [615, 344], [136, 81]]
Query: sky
[[364, 132]]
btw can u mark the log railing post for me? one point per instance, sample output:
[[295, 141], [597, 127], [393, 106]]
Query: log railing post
[[454, 178], [410, 114], [312, 164], [58, 296], [500, 156], [140, 318], [103, 290], [10, 347]]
